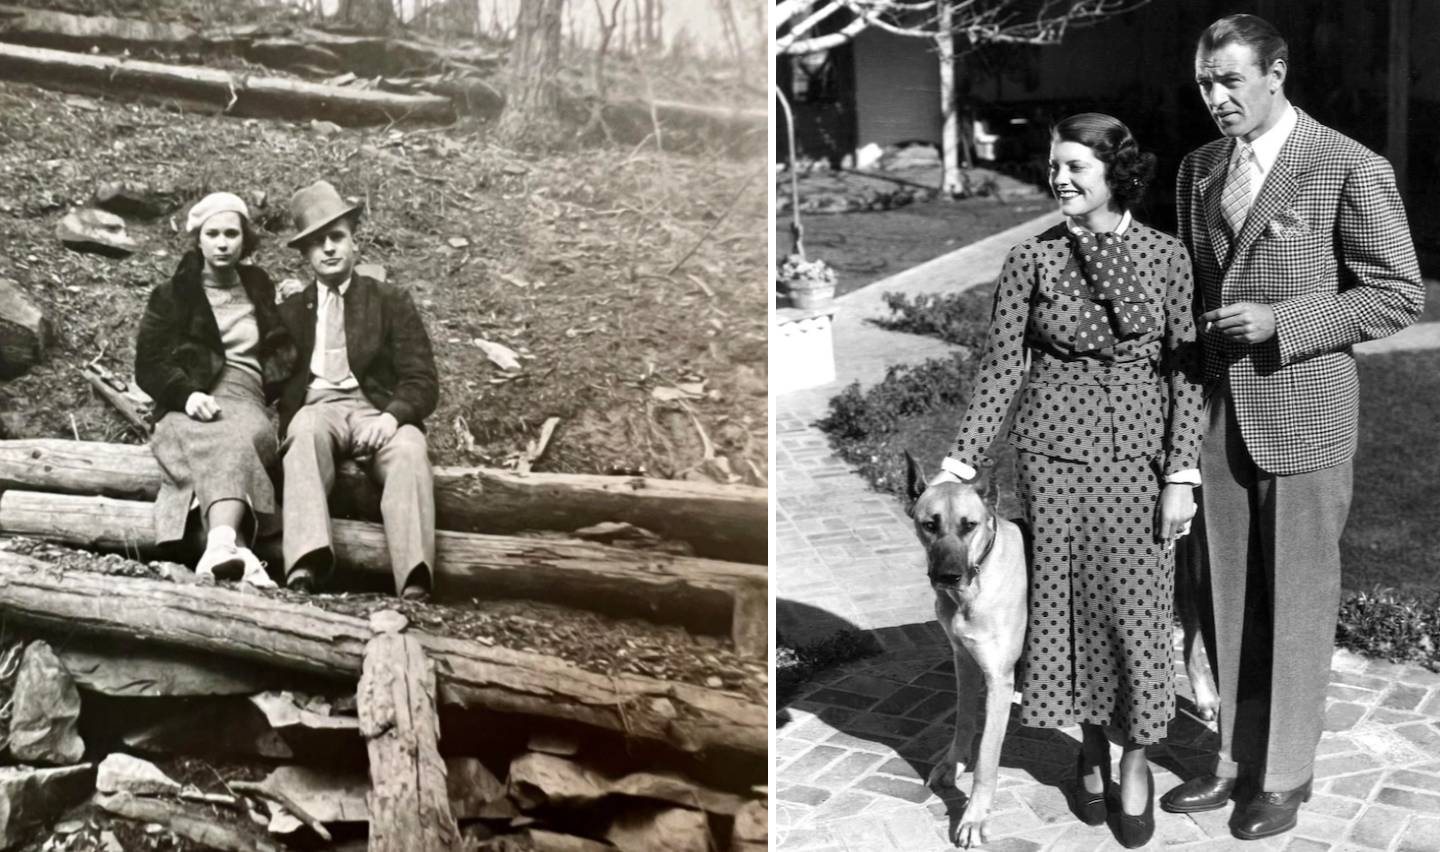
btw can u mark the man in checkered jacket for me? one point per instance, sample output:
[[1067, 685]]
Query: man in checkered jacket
[[1301, 250]]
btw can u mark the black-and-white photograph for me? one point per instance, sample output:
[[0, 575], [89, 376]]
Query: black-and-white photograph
[[384, 428], [1104, 386]]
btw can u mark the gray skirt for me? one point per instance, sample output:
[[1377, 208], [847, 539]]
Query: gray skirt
[[227, 458]]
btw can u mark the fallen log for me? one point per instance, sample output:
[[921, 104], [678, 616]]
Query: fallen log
[[720, 521], [408, 801], [699, 594], [192, 822], [212, 90], [276, 46], [307, 638], [24, 331]]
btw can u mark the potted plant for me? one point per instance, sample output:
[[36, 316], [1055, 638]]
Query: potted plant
[[809, 283]]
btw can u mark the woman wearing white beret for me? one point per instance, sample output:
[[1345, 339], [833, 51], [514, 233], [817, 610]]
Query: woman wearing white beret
[[212, 351]]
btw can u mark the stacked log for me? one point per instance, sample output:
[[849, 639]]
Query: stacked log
[[726, 522]]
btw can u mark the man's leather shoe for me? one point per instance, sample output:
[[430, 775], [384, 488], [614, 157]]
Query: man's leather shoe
[[1269, 814], [1201, 793]]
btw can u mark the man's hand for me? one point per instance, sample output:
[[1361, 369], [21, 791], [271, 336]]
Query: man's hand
[[375, 434], [1177, 510], [202, 406], [1247, 322]]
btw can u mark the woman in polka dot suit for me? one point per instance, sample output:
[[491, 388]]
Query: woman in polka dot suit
[[1108, 430]]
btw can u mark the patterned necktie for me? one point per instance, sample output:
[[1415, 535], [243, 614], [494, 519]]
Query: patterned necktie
[[335, 364], [1235, 199], [1116, 309]]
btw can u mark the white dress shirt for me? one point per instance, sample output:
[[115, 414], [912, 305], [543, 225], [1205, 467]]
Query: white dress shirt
[[326, 299]]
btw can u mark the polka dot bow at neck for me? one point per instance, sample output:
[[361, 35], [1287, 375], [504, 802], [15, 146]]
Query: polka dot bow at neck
[[1116, 309]]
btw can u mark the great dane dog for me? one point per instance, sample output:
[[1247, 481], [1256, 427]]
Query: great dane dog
[[977, 567]]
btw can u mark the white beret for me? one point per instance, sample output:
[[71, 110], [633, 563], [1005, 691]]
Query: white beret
[[215, 202]]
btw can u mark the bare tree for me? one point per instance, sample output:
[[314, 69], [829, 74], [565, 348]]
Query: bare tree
[[607, 31], [534, 94], [809, 26], [369, 15]]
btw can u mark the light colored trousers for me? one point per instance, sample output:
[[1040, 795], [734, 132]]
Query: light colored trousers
[[321, 434], [1274, 553]]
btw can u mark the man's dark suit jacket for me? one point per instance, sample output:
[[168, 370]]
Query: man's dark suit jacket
[[385, 339]]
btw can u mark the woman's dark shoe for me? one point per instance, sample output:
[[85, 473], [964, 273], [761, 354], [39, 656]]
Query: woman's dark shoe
[[1201, 793], [1269, 814], [1137, 829], [1090, 807]]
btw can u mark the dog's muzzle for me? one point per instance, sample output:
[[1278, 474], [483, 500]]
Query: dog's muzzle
[[949, 562]]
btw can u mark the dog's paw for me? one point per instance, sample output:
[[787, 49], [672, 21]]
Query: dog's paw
[[970, 833], [943, 775]]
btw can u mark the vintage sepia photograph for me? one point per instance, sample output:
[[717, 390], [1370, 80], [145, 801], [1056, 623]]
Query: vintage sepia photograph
[[1104, 386], [384, 428]]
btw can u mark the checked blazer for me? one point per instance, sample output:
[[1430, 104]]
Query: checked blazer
[[1327, 245]]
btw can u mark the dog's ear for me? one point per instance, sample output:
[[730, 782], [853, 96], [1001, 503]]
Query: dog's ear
[[914, 479], [986, 482]]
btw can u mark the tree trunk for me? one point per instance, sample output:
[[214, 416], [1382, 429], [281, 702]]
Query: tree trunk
[[720, 521], [533, 98], [409, 805], [211, 90], [699, 594], [305, 637], [951, 185], [24, 331]]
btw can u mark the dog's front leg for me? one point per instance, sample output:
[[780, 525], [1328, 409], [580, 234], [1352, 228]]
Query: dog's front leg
[[999, 690], [969, 684]]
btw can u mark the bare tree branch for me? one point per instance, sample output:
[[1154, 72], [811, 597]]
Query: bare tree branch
[[979, 22]]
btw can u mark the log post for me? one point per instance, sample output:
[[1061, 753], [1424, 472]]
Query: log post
[[408, 800]]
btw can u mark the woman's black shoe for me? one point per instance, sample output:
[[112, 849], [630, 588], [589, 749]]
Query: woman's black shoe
[[1090, 807], [1136, 830]]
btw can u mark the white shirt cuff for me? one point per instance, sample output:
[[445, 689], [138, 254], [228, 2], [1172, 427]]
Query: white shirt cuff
[[1189, 476], [959, 469]]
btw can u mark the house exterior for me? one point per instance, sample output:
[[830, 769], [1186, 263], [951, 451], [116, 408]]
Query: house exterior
[[1349, 68]]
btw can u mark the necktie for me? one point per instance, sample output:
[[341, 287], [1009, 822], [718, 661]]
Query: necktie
[[335, 363], [1235, 199], [1116, 309]]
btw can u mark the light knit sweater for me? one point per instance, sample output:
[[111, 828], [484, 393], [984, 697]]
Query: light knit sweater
[[235, 316]]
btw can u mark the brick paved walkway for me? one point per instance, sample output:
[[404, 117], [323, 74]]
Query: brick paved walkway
[[852, 749], [851, 759]]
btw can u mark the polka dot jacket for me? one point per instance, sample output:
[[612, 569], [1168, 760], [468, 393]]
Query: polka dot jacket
[[1139, 397]]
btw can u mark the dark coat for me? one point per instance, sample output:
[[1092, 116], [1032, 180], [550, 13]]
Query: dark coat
[[386, 342], [179, 352]]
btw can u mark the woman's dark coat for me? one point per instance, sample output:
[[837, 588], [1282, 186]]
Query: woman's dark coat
[[179, 352]]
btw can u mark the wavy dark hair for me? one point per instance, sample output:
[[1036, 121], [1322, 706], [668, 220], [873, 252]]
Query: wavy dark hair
[[1254, 32], [1128, 170], [249, 237]]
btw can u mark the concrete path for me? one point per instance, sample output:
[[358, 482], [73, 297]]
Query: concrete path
[[852, 749]]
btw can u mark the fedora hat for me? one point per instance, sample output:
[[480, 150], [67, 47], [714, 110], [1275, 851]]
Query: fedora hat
[[315, 206]]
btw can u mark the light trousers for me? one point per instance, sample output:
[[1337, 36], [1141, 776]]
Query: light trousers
[[320, 435], [1273, 544]]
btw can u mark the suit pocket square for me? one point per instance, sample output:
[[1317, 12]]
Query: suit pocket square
[[1287, 226]]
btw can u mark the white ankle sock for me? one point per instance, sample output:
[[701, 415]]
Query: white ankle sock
[[220, 537]]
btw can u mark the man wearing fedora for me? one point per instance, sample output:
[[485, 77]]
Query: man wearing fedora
[[366, 380]]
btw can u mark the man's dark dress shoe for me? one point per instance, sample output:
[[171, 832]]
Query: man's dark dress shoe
[[1269, 814], [1137, 829], [1090, 806], [1201, 793], [300, 580]]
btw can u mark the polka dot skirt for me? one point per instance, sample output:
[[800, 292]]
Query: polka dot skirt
[[1101, 592]]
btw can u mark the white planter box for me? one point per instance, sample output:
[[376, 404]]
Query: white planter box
[[802, 349]]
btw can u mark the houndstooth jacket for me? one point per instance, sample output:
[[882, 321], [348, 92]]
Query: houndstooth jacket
[[1327, 245]]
